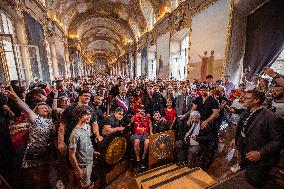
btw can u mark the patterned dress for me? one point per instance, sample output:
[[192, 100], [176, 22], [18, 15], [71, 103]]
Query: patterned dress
[[39, 136]]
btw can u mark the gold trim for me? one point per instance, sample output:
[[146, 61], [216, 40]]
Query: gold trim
[[228, 37], [189, 46], [116, 150], [204, 5]]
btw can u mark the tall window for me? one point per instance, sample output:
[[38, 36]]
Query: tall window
[[6, 27]]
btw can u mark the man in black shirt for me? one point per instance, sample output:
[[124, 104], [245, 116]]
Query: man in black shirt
[[112, 123], [208, 107], [98, 110], [259, 138], [115, 89], [68, 122]]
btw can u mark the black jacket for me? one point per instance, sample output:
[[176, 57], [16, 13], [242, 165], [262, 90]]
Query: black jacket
[[265, 133]]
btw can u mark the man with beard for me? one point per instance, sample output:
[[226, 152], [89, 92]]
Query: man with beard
[[259, 139], [278, 96], [208, 107]]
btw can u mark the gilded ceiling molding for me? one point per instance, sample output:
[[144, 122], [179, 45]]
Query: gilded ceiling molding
[[88, 16], [91, 27], [156, 4], [181, 17], [201, 6], [86, 41], [138, 17], [10, 3], [92, 32], [112, 56], [117, 47]]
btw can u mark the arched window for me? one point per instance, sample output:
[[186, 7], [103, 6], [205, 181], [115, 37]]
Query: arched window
[[6, 40]]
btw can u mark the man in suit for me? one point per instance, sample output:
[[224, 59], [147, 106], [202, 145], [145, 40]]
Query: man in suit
[[259, 138], [121, 101], [183, 101], [183, 105]]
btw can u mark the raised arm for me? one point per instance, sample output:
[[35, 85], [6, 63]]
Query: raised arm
[[276, 76], [32, 116], [54, 101]]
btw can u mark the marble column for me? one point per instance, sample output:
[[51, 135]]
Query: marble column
[[53, 57]]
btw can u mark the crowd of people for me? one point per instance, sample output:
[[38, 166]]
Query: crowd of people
[[70, 118]]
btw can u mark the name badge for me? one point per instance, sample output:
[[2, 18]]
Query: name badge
[[243, 134]]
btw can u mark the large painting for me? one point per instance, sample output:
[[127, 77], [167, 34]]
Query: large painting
[[163, 56], [208, 41], [35, 35]]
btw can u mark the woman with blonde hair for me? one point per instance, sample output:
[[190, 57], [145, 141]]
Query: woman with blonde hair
[[36, 159]]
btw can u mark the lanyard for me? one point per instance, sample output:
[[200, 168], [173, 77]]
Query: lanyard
[[245, 122]]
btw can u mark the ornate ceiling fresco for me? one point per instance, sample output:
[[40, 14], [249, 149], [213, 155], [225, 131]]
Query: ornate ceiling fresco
[[104, 27]]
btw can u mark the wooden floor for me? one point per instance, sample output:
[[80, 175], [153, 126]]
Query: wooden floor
[[218, 171]]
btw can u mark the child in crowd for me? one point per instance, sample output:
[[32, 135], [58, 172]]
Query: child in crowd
[[189, 146], [159, 125], [170, 113], [80, 148]]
